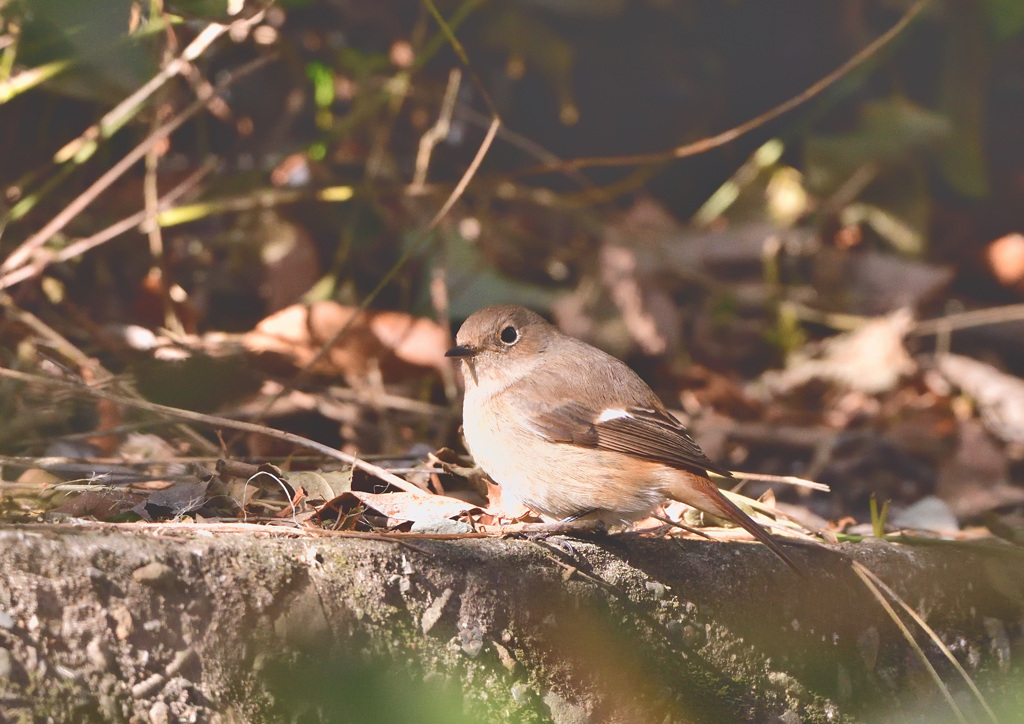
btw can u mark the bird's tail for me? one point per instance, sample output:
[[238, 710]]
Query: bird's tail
[[699, 492]]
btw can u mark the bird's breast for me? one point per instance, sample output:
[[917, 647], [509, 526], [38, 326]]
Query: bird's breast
[[556, 479]]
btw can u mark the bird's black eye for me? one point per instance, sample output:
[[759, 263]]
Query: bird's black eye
[[509, 335]]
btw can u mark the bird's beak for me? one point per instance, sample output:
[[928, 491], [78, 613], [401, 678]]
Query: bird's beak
[[460, 350]]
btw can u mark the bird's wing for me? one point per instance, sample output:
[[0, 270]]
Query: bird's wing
[[641, 432]]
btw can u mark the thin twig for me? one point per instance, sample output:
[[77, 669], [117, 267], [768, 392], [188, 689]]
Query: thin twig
[[436, 133], [76, 152], [23, 253], [117, 116], [413, 249], [782, 480], [706, 144], [964, 320], [44, 259], [215, 421], [159, 271]]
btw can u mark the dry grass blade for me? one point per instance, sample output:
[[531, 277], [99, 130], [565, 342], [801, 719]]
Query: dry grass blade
[[280, 484], [85, 363], [29, 79], [782, 480], [864, 571], [869, 580]]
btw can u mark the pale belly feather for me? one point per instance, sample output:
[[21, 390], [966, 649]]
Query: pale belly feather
[[555, 479]]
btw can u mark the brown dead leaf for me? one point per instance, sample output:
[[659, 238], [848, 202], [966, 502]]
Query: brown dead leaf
[[871, 359], [322, 485], [100, 504], [173, 501], [392, 341]]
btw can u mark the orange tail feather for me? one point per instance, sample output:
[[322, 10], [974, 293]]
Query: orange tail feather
[[699, 492]]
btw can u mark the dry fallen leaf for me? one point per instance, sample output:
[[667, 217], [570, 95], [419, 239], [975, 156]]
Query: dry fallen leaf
[[871, 359], [407, 506], [388, 340], [400, 507]]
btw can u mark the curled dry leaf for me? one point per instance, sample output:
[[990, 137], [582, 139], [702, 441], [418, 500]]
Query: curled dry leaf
[[871, 359], [173, 501], [391, 340], [322, 485], [401, 507]]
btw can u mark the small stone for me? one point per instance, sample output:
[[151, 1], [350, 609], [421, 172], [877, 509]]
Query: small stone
[[565, 712], [472, 641], [6, 621], [97, 654], [123, 622], [692, 635], [179, 661], [440, 526], [6, 664], [657, 589], [434, 611], [149, 686], [505, 657], [154, 574], [160, 713], [520, 693], [782, 680]]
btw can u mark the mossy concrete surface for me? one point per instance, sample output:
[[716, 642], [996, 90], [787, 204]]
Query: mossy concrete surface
[[183, 623]]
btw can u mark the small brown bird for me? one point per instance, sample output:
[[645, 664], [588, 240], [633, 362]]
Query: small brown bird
[[570, 430]]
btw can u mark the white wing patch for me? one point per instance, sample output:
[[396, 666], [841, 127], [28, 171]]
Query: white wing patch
[[612, 414]]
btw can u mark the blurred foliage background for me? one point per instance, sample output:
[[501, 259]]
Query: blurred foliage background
[[175, 172], [915, 152]]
